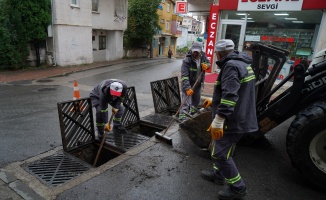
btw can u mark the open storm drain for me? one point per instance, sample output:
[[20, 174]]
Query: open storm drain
[[57, 169], [125, 142]]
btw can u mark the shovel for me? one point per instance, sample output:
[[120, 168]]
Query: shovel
[[102, 143]]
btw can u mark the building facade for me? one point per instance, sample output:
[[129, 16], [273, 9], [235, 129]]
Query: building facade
[[187, 21], [166, 38], [86, 31], [182, 41]]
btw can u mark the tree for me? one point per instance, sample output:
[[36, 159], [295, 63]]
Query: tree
[[13, 47], [142, 23], [22, 22]]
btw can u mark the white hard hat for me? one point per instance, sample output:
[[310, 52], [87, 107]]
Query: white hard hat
[[224, 45]]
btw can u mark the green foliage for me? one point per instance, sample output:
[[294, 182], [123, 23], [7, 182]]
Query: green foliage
[[142, 23], [183, 50], [21, 22]]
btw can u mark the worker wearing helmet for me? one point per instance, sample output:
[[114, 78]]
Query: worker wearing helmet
[[193, 64], [233, 114], [113, 92]]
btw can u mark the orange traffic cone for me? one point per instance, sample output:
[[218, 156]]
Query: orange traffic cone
[[76, 91], [76, 97]]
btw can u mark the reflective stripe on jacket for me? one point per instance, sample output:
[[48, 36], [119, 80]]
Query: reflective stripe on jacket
[[189, 71], [102, 93], [234, 94]]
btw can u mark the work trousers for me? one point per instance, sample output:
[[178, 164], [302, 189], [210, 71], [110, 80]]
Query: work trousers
[[223, 164], [192, 101], [99, 119]]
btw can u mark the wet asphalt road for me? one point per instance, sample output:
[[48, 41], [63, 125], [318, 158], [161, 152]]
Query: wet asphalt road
[[29, 126], [29, 121]]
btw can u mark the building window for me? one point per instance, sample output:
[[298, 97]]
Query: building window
[[102, 42], [163, 1], [172, 41], [167, 41], [162, 21], [120, 10], [155, 43], [168, 7], [95, 5], [167, 25], [74, 2]]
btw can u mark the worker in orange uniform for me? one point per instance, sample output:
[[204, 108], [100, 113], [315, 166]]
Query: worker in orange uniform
[[233, 114], [193, 64]]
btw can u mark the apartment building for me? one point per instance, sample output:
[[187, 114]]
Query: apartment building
[[166, 38], [84, 31]]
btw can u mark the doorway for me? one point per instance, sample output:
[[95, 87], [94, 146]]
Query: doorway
[[234, 30]]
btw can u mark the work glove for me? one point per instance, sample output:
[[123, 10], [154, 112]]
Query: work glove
[[204, 66], [114, 111], [207, 103], [190, 92], [216, 128], [107, 127]]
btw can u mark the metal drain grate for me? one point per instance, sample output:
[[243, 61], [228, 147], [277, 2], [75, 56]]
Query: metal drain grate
[[76, 123], [57, 169], [166, 95], [125, 142]]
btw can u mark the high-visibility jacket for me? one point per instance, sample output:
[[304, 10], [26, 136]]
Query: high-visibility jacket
[[234, 94], [102, 93], [189, 71]]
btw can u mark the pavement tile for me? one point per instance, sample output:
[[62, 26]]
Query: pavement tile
[[6, 193], [24, 191], [7, 177]]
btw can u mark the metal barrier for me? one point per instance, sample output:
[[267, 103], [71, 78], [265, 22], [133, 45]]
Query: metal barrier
[[166, 95], [76, 123], [131, 112]]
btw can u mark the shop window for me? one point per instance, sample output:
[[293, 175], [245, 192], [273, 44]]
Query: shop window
[[295, 31], [95, 5], [102, 42]]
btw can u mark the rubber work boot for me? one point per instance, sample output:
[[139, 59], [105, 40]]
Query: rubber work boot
[[231, 193], [182, 118], [119, 129], [193, 110], [211, 176]]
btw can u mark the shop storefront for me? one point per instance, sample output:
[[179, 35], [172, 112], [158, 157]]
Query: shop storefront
[[296, 25]]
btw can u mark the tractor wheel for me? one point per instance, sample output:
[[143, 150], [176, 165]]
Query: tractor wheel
[[306, 144]]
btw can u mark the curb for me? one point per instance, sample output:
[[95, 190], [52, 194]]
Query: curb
[[12, 188]]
